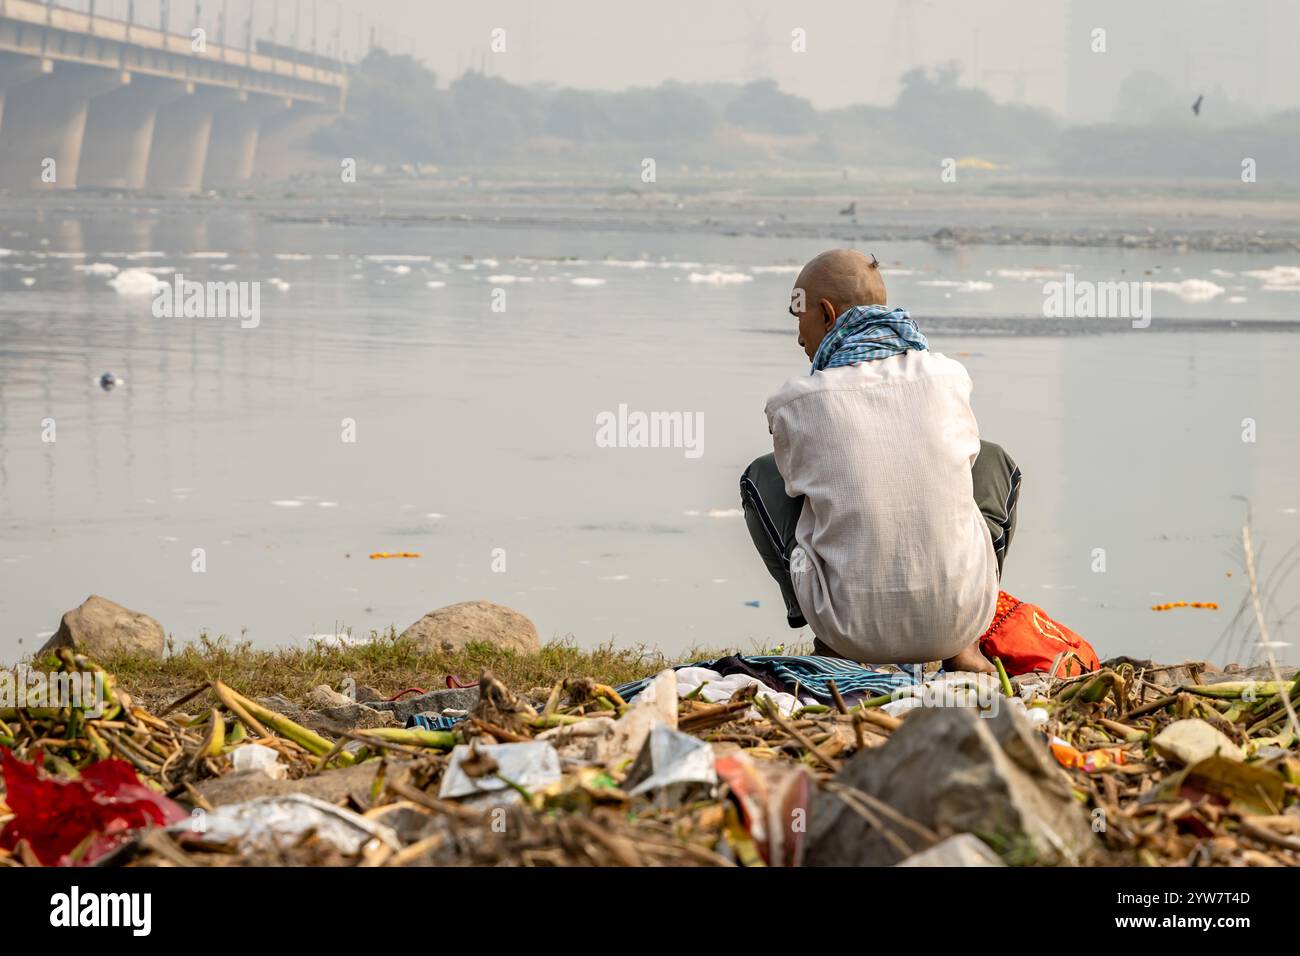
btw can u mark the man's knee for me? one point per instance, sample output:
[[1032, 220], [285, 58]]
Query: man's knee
[[994, 457], [762, 470]]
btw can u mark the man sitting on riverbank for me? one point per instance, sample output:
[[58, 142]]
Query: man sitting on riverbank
[[881, 514]]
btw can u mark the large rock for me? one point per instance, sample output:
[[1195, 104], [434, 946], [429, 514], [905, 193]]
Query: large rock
[[435, 701], [451, 628], [954, 771], [99, 628]]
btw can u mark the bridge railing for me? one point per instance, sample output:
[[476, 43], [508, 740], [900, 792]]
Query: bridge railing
[[76, 21]]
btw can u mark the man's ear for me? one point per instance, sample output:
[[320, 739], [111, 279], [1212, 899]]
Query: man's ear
[[829, 315]]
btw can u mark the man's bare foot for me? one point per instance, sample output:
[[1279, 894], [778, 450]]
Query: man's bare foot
[[970, 659]]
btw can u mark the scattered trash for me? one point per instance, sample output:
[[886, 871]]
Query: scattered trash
[[394, 554], [76, 821], [254, 757], [1193, 740], [672, 762], [518, 768], [1206, 605], [1134, 763], [276, 822], [960, 850]]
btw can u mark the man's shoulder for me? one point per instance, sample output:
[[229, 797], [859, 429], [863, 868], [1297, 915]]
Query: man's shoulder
[[910, 366]]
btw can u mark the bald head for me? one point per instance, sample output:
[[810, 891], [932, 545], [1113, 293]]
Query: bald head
[[828, 285], [843, 277]]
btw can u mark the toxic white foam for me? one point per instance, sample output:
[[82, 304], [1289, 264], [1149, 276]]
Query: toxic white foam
[[99, 269], [1278, 278], [969, 285], [720, 278], [1191, 290], [135, 282]]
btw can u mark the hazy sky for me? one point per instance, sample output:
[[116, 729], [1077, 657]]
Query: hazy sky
[[1035, 51]]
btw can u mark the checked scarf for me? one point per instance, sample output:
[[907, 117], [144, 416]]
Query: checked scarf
[[867, 332]]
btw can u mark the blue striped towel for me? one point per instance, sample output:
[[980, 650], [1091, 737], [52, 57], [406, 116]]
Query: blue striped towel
[[432, 722], [812, 676]]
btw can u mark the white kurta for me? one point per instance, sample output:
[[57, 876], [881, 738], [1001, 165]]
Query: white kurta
[[894, 562]]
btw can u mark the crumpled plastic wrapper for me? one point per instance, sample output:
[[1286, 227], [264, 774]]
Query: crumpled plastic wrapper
[[533, 766], [270, 822]]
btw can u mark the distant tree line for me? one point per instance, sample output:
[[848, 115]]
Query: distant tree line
[[398, 116]]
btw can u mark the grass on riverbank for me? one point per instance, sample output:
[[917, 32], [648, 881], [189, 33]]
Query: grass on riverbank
[[387, 663]]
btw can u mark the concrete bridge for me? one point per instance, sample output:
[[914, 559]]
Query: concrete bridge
[[91, 101]]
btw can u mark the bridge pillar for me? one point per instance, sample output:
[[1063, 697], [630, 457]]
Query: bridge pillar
[[119, 132], [17, 70], [233, 146], [181, 135], [45, 119]]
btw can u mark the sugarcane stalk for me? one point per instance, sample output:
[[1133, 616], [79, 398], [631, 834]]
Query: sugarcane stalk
[[234, 703], [875, 701], [1003, 678], [543, 721], [256, 715], [411, 736], [216, 739], [1233, 689]]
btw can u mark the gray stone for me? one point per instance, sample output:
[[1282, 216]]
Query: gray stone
[[450, 628], [953, 771], [324, 697], [99, 628], [436, 701], [960, 850], [332, 786], [329, 720]]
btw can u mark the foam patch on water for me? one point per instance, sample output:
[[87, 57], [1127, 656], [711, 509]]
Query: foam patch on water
[[432, 283], [292, 256], [287, 503], [967, 285], [207, 255], [508, 279], [586, 281], [1191, 290], [716, 513], [775, 270], [398, 258], [719, 277], [1277, 275], [136, 282], [99, 269], [1026, 275]]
